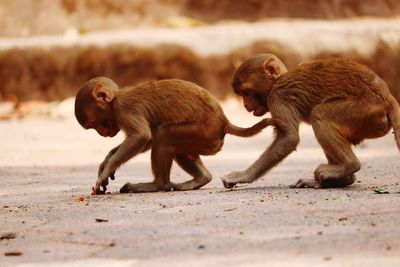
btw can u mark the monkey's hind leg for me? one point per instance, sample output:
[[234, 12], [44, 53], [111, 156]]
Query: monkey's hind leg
[[340, 171], [194, 167], [342, 162]]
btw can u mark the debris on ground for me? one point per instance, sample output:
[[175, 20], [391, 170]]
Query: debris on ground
[[8, 236], [101, 220], [13, 253]]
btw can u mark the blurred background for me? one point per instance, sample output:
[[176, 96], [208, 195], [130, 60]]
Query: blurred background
[[48, 48]]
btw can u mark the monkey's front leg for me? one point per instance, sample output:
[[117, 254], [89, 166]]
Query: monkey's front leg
[[233, 178], [131, 146], [283, 145], [104, 163]]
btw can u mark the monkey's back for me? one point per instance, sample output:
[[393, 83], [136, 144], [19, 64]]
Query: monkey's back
[[311, 83], [171, 101]]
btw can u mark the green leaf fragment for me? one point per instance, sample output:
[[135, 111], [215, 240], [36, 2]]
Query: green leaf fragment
[[381, 191]]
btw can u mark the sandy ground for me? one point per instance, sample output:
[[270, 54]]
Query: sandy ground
[[46, 165]]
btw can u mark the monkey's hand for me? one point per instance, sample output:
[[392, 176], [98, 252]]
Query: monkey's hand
[[234, 178], [101, 169], [102, 181], [105, 162], [130, 147]]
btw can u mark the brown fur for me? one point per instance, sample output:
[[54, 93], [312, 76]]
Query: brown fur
[[345, 103], [177, 119]]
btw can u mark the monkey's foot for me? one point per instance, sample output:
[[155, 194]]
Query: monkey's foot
[[339, 182], [330, 176], [144, 188], [306, 183], [326, 171], [184, 186], [190, 185], [329, 171]]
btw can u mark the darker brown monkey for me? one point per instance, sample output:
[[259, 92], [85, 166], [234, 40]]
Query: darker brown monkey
[[176, 119], [344, 102]]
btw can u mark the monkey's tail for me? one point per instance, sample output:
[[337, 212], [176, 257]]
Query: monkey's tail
[[247, 132], [394, 117]]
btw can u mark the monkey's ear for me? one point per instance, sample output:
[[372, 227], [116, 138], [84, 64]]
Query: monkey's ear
[[272, 68], [102, 94]]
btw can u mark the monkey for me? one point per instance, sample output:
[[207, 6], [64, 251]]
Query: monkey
[[344, 102], [178, 120]]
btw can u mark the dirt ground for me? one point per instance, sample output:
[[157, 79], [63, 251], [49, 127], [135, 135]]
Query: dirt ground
[[47, 167]]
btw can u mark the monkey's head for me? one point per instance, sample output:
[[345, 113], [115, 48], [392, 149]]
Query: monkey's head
[[94, 106], [254, 79]]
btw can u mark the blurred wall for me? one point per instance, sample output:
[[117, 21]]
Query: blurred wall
[[43, 17], [54, 72]]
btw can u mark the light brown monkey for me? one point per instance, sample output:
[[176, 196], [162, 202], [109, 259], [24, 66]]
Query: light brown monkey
[[344, 102], [177, 119]]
